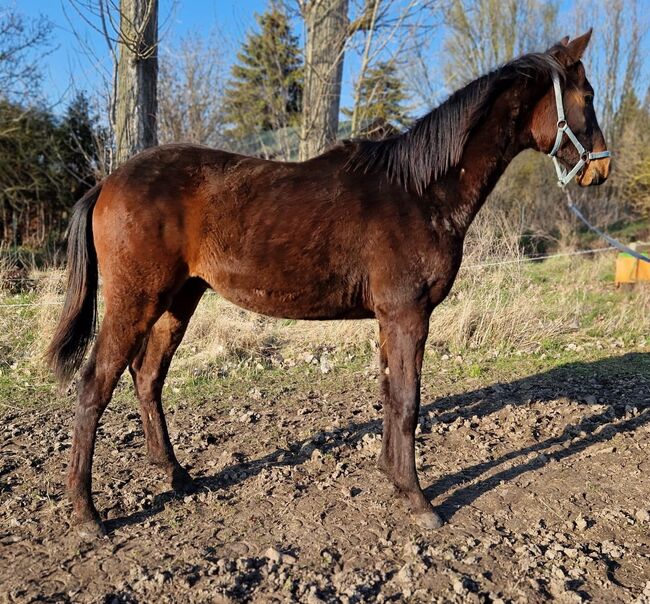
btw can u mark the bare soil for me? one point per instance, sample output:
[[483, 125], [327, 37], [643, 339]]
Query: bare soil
[[542, 478]]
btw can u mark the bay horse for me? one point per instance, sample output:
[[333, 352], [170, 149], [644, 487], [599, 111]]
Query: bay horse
[[368, 229]]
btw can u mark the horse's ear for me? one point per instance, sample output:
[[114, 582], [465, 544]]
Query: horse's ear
[[559, 47], [577, 46]]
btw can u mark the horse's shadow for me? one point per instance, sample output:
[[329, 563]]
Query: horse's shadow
[[625, 378]]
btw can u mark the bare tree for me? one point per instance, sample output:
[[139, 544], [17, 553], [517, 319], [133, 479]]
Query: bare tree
[[393, 31], [130, 31], [327, 30], [190, 93], [23, 43], [484, 34], [615, 60], [137, 74], [373, 12]]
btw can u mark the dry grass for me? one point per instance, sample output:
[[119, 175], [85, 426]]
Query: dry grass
[[510, 307]]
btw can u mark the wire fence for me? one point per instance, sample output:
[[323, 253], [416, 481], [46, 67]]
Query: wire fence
[[489, 264]]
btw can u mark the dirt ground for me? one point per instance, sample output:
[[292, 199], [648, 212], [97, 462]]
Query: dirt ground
[[543, 481]]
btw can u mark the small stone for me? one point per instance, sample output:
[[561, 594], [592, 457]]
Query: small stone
[[581, 523], [312, 598], [273, 554], [571, 552], [642, 515], [405, 575], [458, 586], [327, 556], [288, 559], [325, 365]]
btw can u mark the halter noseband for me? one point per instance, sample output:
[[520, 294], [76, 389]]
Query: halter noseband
[[563, 128]]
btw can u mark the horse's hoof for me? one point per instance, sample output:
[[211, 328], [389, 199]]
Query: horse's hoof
[[428, 520], [182, 482], [90, 530]]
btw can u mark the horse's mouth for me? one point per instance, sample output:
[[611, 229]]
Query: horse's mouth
[[590, 175]]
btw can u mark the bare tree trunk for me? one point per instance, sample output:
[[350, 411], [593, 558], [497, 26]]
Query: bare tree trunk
[[137, 74], [365, 61], [327, 29]]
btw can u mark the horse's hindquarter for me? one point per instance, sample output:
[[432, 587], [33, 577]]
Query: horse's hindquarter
[[285, 240]]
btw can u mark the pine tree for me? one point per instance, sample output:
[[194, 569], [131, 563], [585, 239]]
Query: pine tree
[[79, 141], [381, 98], [265, 90]]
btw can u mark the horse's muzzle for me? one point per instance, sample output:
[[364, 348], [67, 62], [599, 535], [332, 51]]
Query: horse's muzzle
[[595, 172]]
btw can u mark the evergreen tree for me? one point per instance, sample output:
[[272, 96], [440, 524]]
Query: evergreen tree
[[629, 111], [46, 164], [265, 90], [79, 142], [381, 99]]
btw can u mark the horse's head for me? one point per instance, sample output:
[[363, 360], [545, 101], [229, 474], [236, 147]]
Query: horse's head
[[577, 97]]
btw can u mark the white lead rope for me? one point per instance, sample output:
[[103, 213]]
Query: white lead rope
[[613, 242], [565, 178]]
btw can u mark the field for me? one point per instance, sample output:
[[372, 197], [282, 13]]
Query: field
[[533, 442]]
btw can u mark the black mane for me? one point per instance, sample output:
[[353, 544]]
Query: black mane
[[435, 143]]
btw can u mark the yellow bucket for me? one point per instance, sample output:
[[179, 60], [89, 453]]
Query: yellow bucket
[[631, 270]]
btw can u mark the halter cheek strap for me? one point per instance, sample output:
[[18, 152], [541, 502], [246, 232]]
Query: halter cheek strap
[[563, 128]]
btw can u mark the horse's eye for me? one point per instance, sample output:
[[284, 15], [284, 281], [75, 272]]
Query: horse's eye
[[589, 99]]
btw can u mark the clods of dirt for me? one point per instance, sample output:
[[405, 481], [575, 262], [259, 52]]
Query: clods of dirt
[[543, 483]]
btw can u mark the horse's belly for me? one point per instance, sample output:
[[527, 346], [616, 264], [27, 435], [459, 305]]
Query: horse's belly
[[331, 298]]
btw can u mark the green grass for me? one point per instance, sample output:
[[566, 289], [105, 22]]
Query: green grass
[[502, 323]]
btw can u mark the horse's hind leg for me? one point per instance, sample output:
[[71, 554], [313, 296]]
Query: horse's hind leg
[[149, 370], [385, 461], [121, 334]]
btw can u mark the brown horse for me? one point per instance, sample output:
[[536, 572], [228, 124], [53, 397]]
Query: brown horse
[[369, 229]]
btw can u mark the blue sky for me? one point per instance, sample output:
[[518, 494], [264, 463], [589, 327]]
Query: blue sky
[[73, 65]]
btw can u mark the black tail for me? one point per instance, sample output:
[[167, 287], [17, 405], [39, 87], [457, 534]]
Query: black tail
[[76, 326]]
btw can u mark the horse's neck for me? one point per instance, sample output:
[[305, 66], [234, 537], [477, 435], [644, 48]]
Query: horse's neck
[[490, 148]]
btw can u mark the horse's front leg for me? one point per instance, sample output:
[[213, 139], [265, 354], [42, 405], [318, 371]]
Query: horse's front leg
[[405, 336]]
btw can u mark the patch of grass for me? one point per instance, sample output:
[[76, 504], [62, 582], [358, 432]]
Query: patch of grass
[[527, 316]]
